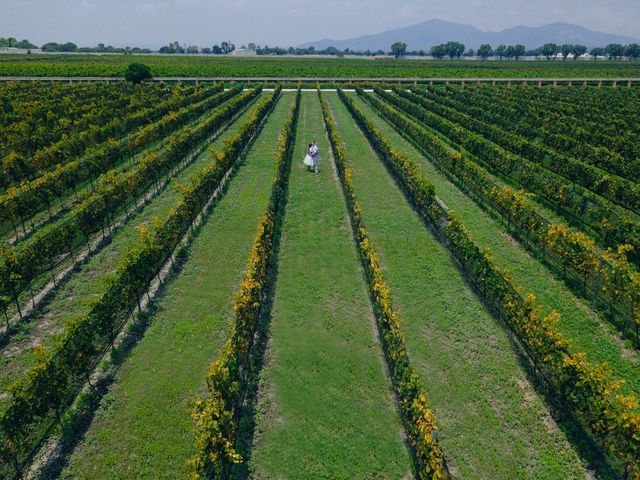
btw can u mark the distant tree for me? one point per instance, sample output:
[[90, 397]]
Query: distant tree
[[614, 50], [510, 52], [206, 50], [597, 52], [216, 50], [173, 47], [632, 51], [470, 53], [398, 49], [549, 50], [439, 51], [454, 49], [59, 47], [566, 50], [501, 51], [252, 46], [137, 73], [519, 51], [578, 51], [485, 51], [25, 44], [192, 49], [227, 47]]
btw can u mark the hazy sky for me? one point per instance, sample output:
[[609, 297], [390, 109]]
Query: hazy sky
[[286, 22]]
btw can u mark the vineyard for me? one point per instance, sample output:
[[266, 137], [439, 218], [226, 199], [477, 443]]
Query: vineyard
[[456, 293], [78, 65]]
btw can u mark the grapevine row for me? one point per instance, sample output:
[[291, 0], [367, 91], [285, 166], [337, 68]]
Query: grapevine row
[[60, 117], [612, 418], [20, 265], [492, 111], [29, 198], [419, 421], [610, 275], [604, 118], [72, 146], [215, 413], [614, 226], [47, 390], [613, 188]]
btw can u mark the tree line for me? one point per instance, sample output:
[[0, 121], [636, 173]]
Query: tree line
[[452, 50]]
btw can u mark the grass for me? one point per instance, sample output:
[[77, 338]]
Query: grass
[[75, 297], [143, 428], [493, 423], [582, 325], [326, 409]]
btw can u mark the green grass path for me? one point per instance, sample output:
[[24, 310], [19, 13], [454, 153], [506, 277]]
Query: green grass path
[[326, 408], [493, 424], [580, 324], [75, 297], [143, 428]]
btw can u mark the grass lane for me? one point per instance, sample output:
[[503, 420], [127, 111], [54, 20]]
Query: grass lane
[[582, 325], [143, 428], [493, 424], [75, 297], [326, 408]]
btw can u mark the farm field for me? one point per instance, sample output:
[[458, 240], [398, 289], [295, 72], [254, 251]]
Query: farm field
[[455, 294], [223, 66]]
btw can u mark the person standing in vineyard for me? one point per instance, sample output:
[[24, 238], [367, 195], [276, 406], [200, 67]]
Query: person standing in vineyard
[[313, 151]]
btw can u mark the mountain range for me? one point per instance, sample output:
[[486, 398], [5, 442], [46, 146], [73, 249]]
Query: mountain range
[[433, 32]]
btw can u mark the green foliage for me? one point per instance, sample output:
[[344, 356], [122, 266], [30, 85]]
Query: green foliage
[[548, 174], [215, 414], [117, 189], [418, 418], [269, 66], [587, 389], [398, 49], [61, 371], [575, 251], [137, 73]]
